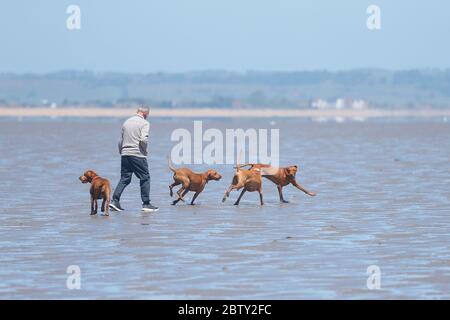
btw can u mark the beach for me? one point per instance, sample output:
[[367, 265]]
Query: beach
[[94, 112], [382, 200]]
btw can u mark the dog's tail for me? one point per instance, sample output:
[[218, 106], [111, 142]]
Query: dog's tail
[[169, 162], [244, 165]]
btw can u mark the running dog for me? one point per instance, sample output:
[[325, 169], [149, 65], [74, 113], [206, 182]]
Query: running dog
[[280, 176], [249, 180], [190, 181]]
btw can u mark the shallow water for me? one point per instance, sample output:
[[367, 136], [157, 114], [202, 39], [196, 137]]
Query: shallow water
[[383, 199]]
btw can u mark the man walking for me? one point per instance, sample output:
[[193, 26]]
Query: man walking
[[133, 150]]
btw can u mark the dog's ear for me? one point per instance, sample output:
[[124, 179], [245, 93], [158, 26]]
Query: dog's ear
[[213, 175], [82, 178], [292, 170], [90, 174], [216, 175]]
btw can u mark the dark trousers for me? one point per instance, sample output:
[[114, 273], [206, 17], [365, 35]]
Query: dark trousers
[[139, 167]]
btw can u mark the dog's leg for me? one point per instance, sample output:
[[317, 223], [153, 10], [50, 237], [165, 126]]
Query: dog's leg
[[280, 192], [300, 187], [107, 199], [171, 187], [174, 202], [183, 194], [103, 195], [186, 190], [180, 192], [180, 197], [261, 197], [195, 197], [240, 196], [94, 212], [227, 193], [96, 194], [105, 205], [92, 205]]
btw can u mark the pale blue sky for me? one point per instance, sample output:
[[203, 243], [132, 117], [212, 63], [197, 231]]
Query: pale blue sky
[[239, 35]]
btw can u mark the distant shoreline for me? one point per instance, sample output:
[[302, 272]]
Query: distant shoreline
[[96, 112]]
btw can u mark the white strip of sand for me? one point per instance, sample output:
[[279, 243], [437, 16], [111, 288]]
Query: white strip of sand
[[92, 112]]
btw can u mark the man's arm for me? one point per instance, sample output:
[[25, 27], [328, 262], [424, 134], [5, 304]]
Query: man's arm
[[120, 143], [143, 140]]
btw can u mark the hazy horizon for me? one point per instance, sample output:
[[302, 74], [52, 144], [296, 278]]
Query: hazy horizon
[[224, 89], [243, 72]]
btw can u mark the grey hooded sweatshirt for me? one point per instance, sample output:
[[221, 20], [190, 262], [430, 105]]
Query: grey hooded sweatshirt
[[134, 138]]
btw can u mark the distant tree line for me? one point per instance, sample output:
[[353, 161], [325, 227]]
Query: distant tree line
[[223, 89]]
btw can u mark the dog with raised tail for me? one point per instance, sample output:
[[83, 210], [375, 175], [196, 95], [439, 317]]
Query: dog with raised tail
[[281, 177], [247, 180], [190, 181]]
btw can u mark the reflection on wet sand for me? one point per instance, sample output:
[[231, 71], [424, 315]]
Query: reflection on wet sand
[[382, 200]]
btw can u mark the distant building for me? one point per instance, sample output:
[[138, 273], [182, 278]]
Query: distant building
[[340, 103], [360, 104], [320, 104]]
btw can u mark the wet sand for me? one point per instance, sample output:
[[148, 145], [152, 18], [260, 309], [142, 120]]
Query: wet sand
[[383, 199]]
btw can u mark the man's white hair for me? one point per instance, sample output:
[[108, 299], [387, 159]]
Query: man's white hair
[[143, 109]]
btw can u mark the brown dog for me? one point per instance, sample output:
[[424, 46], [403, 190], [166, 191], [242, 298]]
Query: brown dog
[[280, 176], [190, 181], [250, 180], [100, 189]]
